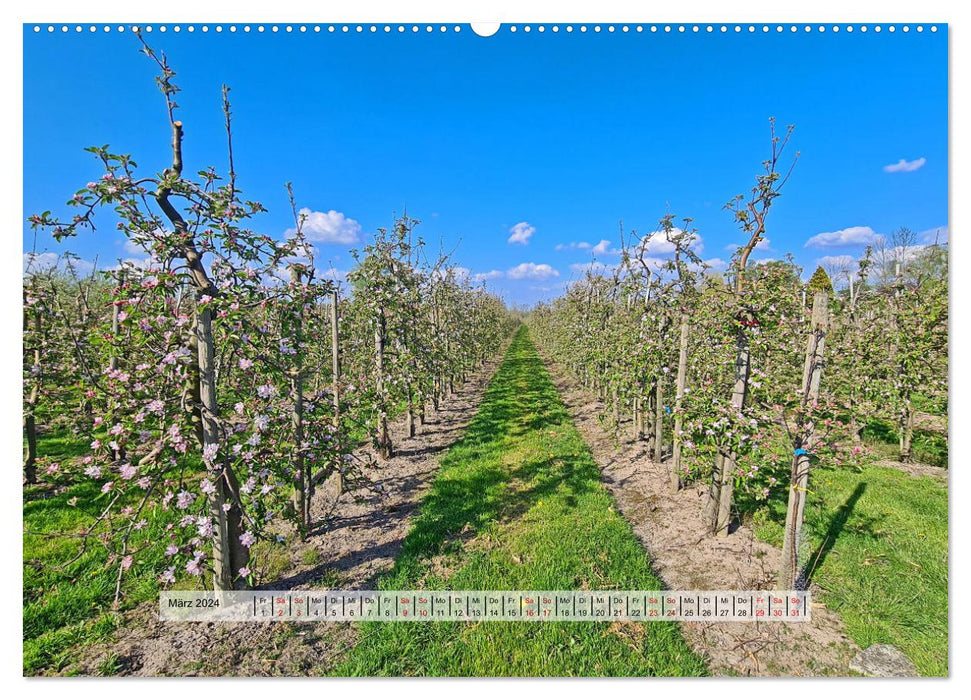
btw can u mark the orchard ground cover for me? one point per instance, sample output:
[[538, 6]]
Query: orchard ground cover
[[879, 551], [877, 544], [69, 588], [67, 597], [518, 504], [359, 534]]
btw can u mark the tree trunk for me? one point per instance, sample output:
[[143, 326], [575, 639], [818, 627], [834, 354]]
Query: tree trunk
[[30, 455], [723, 515], [303, 478], [410, 416], [30, 418], [714, 492], [789, 576], [301, 496], [335, 359], [725, 474], [119, 454], [228, 553], [647, 408], [191, 403], [385, 449], [906, 432], [615, 404], [680, 383]]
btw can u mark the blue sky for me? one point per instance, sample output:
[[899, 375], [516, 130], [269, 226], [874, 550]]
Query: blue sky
[[516, 146]]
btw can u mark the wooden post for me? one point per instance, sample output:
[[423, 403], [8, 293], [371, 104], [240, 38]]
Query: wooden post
[[659, 419], [799, 480], [714, 492], [680, 382]]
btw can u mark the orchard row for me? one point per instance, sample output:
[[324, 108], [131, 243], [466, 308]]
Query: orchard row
[[745, 379], [216, 384]]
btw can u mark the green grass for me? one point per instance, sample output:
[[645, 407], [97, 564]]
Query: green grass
[[518, 504], [60, 444], [926, 446], [68, 603], [878, 539]]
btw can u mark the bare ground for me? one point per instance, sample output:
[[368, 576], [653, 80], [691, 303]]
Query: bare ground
[[685, 557], [931, 422], [915, 469], [360, 536]]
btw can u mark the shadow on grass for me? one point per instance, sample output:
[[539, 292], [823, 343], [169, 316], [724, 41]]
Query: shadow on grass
[[837, 524]]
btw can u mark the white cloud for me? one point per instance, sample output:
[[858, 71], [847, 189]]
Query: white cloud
[[332, 274], [602, 248], [328, 227], [854, 235], [763, 244], [717, 264], [594, 266], [836, 261], [490, 275], [521, 233], [907, 253], [41, 261], [532, 271], [38, 262], [556, 287], [582, 245], [937, 235], [905, 166], [654, 263], [137, 263], [657, 243], [133, 247], [463, 274]]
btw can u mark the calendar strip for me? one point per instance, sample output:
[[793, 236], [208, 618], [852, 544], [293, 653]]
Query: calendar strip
[[492, 606]]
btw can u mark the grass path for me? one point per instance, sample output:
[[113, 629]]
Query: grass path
[[518, 504]]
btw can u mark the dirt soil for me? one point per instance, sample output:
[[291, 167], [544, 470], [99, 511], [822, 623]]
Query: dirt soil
[[928, 421], [915, 469], [687, 558], [360, 536]]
